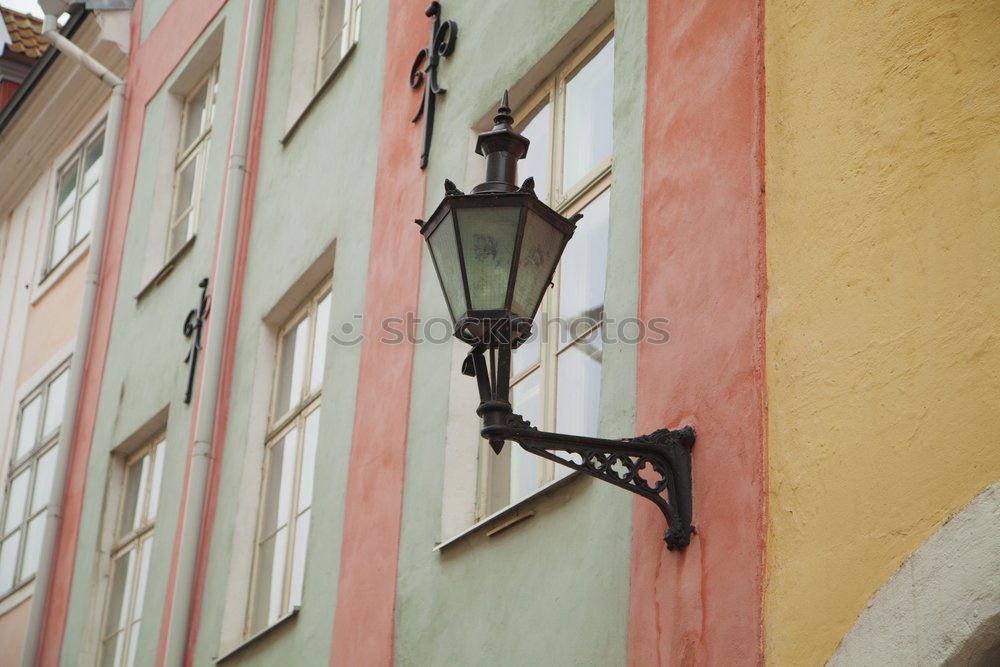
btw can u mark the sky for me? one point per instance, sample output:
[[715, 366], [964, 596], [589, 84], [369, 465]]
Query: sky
[[23, 6]]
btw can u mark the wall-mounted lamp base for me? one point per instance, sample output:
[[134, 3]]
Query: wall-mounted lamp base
[[646, 465]]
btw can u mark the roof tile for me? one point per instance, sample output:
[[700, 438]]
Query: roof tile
[[25, 33]]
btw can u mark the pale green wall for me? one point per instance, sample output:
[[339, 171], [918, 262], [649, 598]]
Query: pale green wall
[[556, 585], [145, 370], [317, 188]]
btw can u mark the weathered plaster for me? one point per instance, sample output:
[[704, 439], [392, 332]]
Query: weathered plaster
[[941, 599], [883, 360], [702, 267]]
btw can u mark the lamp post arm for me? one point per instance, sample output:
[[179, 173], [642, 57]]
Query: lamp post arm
[[646, 465]]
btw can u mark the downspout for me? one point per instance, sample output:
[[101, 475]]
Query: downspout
[[53, 518], [194, 506]]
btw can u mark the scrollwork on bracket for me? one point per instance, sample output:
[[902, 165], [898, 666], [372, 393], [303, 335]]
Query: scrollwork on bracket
[[646, 465]]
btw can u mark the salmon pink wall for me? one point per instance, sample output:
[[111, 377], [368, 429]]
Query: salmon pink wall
[[702, 267], [366, 592]]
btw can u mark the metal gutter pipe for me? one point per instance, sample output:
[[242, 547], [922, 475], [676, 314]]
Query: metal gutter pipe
[[53, 517], [221, 288]]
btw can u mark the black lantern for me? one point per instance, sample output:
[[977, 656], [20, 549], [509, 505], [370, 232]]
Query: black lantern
[[495, 251]]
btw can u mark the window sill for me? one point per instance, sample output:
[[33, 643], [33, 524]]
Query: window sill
[[282, 620], [167, 269], [510, 515], [62, 267], [320, 90], [16, 596]]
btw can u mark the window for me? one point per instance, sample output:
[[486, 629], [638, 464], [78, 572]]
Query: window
[[287, 476], [340, 27], [76, 200], [192, 154], [29, 483], [556, 376], [130, 554]]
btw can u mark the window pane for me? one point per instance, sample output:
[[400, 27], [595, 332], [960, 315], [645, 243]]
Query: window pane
[[319, 344], [299, 559], [16, 501], [56, 403], [179, 235], [308, 460], [32, 546], [66, 193], [583, 268], [60, 239], [356, 32], [135, 479], [523, 357], [270, 580], [336, 36], [92, 161], [194, 116], [277, 501], [111, 650], [185, 187], [525, 467], [29, 427], [578, 391], [121, 583], [145, 552], [133, 644], [86, 215], [588, 116], [8, 560], [43, 480], [154, 492], [536, 162], [292, 368]]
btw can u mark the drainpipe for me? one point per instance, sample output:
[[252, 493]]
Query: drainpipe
[[184, 583], [53, 518]]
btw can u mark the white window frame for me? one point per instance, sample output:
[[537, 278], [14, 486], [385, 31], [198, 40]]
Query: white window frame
[[349, 34], [81, 189], [300, 409], [196, 151], [568, 199], [44, 443], [132, 541]]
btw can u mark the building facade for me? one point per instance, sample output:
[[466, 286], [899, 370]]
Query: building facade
[[52, 142], [788, 242]]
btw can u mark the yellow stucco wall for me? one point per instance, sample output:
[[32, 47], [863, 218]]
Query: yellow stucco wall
[[883, 328]]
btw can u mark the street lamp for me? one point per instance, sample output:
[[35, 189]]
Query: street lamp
[[495, 251]]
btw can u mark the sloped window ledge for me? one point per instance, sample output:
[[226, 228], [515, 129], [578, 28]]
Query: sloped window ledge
[[511, 515], [280, 621]]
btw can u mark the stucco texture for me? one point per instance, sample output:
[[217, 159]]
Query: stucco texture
[[883, 256]]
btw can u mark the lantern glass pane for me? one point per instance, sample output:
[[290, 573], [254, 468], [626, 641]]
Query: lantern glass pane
[[539, 254], [488, 237], [444, 252]]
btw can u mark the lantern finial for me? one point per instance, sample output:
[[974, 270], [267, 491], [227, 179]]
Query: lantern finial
[[502, 147]]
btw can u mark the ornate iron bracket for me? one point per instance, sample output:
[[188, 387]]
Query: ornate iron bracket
[[193, 324], [443, 36], [646, 465]]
